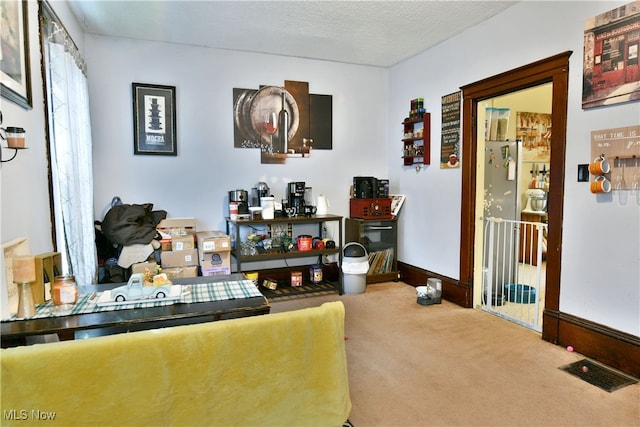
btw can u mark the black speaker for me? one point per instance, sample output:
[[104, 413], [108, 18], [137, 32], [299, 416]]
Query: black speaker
[[364, 187]]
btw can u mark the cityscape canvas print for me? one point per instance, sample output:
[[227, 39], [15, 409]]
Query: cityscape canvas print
[[611, 74]]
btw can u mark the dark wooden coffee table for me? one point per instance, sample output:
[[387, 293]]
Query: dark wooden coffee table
[[14, 333]]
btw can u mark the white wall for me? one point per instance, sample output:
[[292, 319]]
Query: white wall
[[197, 181], [606, 291]]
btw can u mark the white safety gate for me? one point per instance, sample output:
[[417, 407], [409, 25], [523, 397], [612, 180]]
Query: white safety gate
[[514, 270]]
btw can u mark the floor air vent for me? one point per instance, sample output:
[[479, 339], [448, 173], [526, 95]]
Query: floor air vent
[[598, 375]]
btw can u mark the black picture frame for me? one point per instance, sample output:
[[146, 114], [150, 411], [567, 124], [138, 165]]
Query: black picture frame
[[154, 119], [15, 75]]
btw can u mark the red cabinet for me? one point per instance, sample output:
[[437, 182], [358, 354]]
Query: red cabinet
[[416, 141]]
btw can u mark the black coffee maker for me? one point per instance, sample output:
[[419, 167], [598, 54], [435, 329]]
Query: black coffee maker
[[258, 192], [295, 196]]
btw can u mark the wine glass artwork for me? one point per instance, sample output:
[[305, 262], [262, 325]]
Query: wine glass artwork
[[271, 126]]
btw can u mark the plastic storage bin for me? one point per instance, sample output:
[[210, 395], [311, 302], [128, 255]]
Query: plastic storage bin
[[355, 265]]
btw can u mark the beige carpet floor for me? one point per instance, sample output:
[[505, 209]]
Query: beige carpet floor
[[443, 365]]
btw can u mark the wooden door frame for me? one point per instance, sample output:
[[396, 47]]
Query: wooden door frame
[[554, 69]]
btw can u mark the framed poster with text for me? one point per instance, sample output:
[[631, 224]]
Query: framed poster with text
[[154, 119]]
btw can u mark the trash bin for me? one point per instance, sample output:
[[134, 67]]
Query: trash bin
[[355, 265]]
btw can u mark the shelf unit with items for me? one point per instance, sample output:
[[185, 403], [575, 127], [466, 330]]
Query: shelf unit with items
[[416, 140], [285, 227], [380, 239]]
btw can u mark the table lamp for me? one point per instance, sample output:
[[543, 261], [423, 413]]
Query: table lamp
[[24, 272]]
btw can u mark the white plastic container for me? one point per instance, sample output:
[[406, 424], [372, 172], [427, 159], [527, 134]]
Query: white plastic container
[[267, 207]]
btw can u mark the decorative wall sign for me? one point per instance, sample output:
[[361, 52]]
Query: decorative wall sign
[[15, 78], [534, 129], [154, 119], [621, 148], [450, 144], [260, 115], [611, 73]]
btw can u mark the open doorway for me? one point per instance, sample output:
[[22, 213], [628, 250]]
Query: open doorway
[[513, 171], [553, 70]]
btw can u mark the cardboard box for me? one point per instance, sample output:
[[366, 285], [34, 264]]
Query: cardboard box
[[213, 241], [176, 226], [214, 259], [180, 272], [140, 267], [183, 242], [165, 244], [215, 263], [216, 271], [179, 258]]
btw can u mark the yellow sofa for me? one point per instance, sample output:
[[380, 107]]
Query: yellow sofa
[[281, 369]]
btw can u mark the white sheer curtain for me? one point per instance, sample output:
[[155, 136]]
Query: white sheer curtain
[[71, 159]]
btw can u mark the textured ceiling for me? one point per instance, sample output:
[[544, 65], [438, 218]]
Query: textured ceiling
[[378, 33]]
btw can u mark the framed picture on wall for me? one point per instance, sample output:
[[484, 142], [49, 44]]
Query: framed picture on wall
[[15, 79], [154, 119], [610, 61]]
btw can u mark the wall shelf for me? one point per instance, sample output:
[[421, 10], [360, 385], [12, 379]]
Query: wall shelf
[[416, 141]]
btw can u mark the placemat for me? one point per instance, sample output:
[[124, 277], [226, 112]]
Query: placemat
[[194, 293]]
